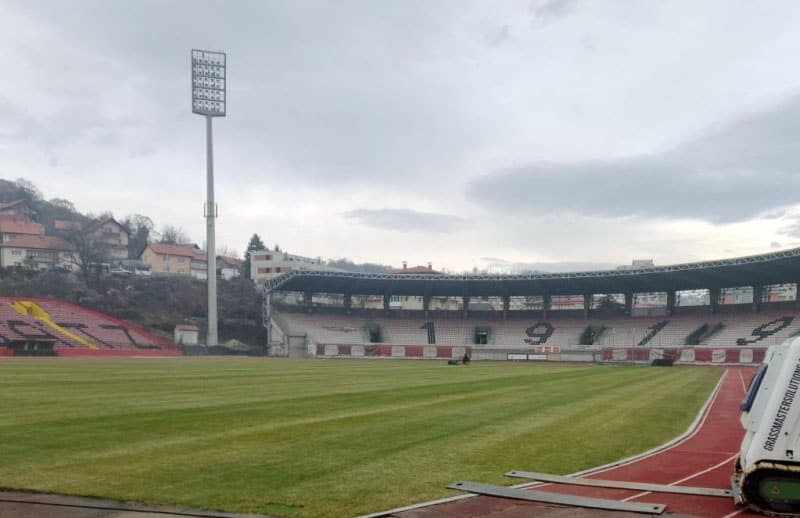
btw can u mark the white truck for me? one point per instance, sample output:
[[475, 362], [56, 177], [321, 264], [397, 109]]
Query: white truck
[[767, 474]]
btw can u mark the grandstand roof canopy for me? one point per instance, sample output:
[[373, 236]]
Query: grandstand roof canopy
[[772, 268]]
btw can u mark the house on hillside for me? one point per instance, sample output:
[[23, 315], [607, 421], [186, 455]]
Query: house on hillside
[[166, 259], [112, 236], [17, 208], [66, 226], [199, 264], [12, 226], [37, 252], [228, 267]]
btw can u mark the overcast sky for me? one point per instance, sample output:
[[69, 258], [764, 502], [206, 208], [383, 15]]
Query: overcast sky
[[491, 133]]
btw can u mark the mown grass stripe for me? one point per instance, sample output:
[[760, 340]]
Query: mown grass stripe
[[321, 438]]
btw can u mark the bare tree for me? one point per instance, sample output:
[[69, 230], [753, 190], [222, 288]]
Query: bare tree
[[88, 253], [173, 235], [28, 189], [101, 216], [62, 203], [227, 251]]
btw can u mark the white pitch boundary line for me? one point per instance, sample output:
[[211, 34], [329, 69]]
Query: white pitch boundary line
[[690, 432]]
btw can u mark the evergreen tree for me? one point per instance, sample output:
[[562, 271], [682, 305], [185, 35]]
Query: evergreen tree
[[139, 228], [255, 244]]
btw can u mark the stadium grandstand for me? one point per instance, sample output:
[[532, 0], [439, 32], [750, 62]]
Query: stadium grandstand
[[48, 327], [721, 311]]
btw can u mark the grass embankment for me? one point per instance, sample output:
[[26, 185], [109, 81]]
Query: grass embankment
[[321, 438]]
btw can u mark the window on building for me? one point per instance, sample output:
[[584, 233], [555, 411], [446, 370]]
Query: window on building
[[16, 252], [278, 269], [265, 270], [267, 257]]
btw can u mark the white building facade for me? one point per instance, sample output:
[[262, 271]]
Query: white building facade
[[267, 264]]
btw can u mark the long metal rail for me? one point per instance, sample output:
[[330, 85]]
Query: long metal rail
[[556, 498], [621, 484]]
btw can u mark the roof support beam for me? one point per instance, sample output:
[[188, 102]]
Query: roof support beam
[[587, 305], [268, 318], [348, 303], [758, 298], [713, 298]]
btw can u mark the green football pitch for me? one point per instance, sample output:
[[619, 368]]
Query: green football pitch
[[313, 438]]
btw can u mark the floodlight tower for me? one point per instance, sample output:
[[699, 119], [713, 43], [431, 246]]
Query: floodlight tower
[[209, 79]]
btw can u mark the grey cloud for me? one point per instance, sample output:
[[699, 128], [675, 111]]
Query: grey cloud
[[729, 174], [320, 89], [775, 244], [777, 214], [498, 36], [323, 90], [106, 139], [338, 98], [143, 150], [406, 220], [548, 10], [792, 229], [64, 126]]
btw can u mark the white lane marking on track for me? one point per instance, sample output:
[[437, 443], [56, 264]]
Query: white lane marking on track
[[684, 479], [740, 511], [744, 385]]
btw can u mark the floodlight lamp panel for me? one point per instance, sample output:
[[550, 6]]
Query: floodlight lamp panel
[[208, 83]]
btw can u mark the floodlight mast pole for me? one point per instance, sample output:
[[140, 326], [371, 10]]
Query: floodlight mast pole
[[209, 84], [211, 216]]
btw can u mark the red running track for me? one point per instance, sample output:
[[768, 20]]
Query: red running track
[[705, 457]]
